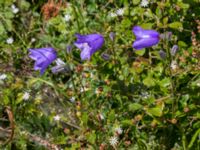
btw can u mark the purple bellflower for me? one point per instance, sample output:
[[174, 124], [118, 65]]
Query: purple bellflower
[[43, 58], [89, 44], [144, 38]]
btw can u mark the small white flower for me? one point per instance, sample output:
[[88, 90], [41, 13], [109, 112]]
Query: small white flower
[[113, 141], [174, 65], [72, 99], [118, 130], [120, 12], [3, 76], [10, 40], [33, 40], [144, 3], [67, 17], [113, 15], [59, 62], [26, 96], [56, 118], [198, 84], [14, 9]]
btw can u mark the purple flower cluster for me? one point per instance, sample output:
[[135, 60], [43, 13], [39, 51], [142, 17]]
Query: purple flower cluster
[[89, 44]]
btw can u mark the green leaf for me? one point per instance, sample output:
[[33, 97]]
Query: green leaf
[[84, 118], [136, 2], [165, 82], [127, 122], [149, 81], [111, 115], [2, 29], [147, 25], [91, 137], [194, 138], [182, 44], [134, 107], [140, 52], [175, 25], [156, 111]]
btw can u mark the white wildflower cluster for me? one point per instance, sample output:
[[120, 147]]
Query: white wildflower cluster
[[14, 9], [144, 3], [10, 40], [119, 12]]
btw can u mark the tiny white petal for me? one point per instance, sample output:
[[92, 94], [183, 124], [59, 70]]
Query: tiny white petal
[[59, 62]]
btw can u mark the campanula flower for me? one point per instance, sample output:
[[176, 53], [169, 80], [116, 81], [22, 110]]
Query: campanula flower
[[89, 44], [43, 58], [144, 38]]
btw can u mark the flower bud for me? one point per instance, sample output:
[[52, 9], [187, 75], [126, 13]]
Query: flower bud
[[174, 50], [112, 36]]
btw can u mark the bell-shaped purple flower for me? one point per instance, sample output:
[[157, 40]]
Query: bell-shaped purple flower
[[43, 58], [89, 44], [144, 38]]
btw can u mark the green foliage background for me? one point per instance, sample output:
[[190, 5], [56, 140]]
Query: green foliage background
[[156, 106]]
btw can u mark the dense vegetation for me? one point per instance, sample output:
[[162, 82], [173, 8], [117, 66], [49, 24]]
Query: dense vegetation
[[116, 98]]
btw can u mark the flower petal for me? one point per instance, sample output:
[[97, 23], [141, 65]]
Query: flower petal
[[43, 58], [88, 44], [144, 43], [141, 33]]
